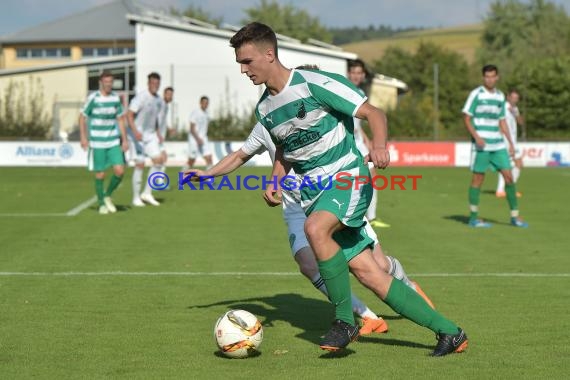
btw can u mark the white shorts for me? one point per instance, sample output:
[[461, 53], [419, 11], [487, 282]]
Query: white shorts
[[294, 217], [148, 147], [194, 149]]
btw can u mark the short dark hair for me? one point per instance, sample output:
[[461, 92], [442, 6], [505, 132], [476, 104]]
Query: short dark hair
[[489, 68], [204, 98], [105, 74], [513, 90], [168, 89], [255, 33], [153, 75], [356, 63], [307, 66]]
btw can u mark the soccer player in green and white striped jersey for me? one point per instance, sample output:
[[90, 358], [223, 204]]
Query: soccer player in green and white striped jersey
[[309, 116], [484, 117], [105, 137]]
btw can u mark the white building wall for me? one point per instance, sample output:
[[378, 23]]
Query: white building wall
[[197, 64]]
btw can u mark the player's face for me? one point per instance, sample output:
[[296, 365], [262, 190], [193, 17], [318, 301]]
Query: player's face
[[513, 98], [356, 75], [168, 96], [204, 104], [153, 85], [255, 62], [106, 84], [490, 79]]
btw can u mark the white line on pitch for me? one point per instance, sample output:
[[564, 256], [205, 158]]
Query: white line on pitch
[[205, 274], [81, 207]]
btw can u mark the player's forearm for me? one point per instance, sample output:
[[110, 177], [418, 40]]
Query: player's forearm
[[228, 164], [131, 121], [470, 128], [379, 126], [82, 128], [281, 166], [122, 128], [193, 131], [505, 130]]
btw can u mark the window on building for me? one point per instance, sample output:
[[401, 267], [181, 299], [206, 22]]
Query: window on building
[[123, 83], [87, 52], [39, 53]]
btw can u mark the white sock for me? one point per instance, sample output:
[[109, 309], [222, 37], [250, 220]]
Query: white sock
[[137, 181], [397, 271], [501, 184], [516, 174], [153, 169], [371, 212]]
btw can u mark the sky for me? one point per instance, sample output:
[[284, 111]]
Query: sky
[[17, 15]]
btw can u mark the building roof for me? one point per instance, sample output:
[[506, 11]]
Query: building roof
[[126, 58], [192, 26], [104, 22]]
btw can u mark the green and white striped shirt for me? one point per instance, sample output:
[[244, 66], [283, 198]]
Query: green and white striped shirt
[[311, 118], [486, 110], [102, 113]]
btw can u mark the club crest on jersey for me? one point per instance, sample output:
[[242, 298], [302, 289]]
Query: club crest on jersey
[[301, 112]]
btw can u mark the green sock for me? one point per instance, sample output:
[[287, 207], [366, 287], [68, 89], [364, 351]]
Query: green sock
[[511, 191], [406, 302], [99, 190], [115, 180], [334, 272], [474, 202]]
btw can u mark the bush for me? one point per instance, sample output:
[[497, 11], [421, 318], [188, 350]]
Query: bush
[[22, 113]]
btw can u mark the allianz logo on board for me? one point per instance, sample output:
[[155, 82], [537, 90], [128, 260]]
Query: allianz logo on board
[[64, 151]]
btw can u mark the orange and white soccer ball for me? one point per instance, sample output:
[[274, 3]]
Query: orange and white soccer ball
[[238, 334]]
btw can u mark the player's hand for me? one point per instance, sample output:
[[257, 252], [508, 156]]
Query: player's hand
[[199, 141], [511, 150], [84, 144], [480, 142], [380, 157], [125, 145], [138, 135], [160, 139], [195, 174], [272, 196]]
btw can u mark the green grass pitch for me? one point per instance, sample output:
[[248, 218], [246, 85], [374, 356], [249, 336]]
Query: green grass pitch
[[136, 294]]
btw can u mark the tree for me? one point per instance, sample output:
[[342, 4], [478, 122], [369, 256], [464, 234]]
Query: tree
[[516, 31], [417, 70], [530, 43], [288, 20]]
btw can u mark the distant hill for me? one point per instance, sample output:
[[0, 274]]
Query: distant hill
[[463, 39]]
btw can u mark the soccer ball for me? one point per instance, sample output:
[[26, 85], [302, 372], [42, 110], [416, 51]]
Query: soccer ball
[[238, 334]]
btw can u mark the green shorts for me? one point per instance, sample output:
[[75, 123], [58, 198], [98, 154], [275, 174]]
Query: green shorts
[[99, 159], [498, 160], [341, 198], [353, 241], [348, 204]]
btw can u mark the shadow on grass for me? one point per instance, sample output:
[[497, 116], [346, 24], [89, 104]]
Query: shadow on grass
[[392, 342], [312, 316], [306, 314], [463, 219]]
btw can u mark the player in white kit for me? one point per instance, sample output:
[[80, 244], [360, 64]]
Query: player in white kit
[[198, 143], [513, 118], [144, 122], [356, 74]]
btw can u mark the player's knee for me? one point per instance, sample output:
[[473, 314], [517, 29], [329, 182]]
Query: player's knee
[[313, 230], [119, 171]]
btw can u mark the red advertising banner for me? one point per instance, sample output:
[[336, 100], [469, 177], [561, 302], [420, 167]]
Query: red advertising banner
[[422, 153]]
